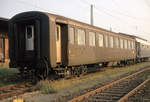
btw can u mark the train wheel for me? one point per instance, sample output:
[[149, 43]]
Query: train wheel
[[21, 72], [76, 71], [43, 70], [46, 71], [84, 70], [42, 73], [68, 73]]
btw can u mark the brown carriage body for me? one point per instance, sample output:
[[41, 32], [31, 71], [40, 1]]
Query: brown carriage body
[[74, 54], [62, 52]]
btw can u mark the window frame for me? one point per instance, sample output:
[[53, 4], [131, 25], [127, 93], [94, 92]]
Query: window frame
[[106, 41], [129, 44], [116, 42], [2, 46], [93, 44], [133, 44], [121, 43], [125, 44], [82, 44], [99, 44], [111, 41]]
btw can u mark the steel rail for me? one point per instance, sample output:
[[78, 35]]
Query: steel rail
[[80, 98], [16, 89], [126, 97]]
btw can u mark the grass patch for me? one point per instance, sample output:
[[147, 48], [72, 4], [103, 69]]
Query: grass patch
[[8, 76], [148, 76], [29, 101], [87, 81], [45, 87]]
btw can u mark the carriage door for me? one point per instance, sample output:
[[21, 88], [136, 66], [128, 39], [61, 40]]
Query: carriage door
[[58, 43]]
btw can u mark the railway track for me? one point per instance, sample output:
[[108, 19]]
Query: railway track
[[117, 91], [17, 89], [129, 97], [140, 94]]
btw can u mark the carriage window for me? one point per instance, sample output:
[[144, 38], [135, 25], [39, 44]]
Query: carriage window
[[143, 46], [133, 45], [106, 41], [111, 41], [57, 33], [1, 43], [71, 35], [29, 32], [100, 40], [129, 47], [2, 49], [91, 38], [117, 42], [1, 46], [125, 44], [81, 37], [121, 43]]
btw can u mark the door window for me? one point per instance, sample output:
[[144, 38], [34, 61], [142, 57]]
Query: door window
[[30, 37]]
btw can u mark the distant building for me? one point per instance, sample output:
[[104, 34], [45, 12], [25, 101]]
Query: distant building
[[4, 57]]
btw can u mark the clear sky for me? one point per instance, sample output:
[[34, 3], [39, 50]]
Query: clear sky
[[126, 16]]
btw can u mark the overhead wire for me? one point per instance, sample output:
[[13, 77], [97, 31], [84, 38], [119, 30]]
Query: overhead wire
[[147, 2], [87, 3], [99, 12], [84, 1], [125, 14], [107, 11], [130, 22]]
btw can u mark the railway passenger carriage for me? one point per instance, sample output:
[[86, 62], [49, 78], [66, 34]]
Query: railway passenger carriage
[[95, 45], [143, 49], [4, 57], [44, 42]]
